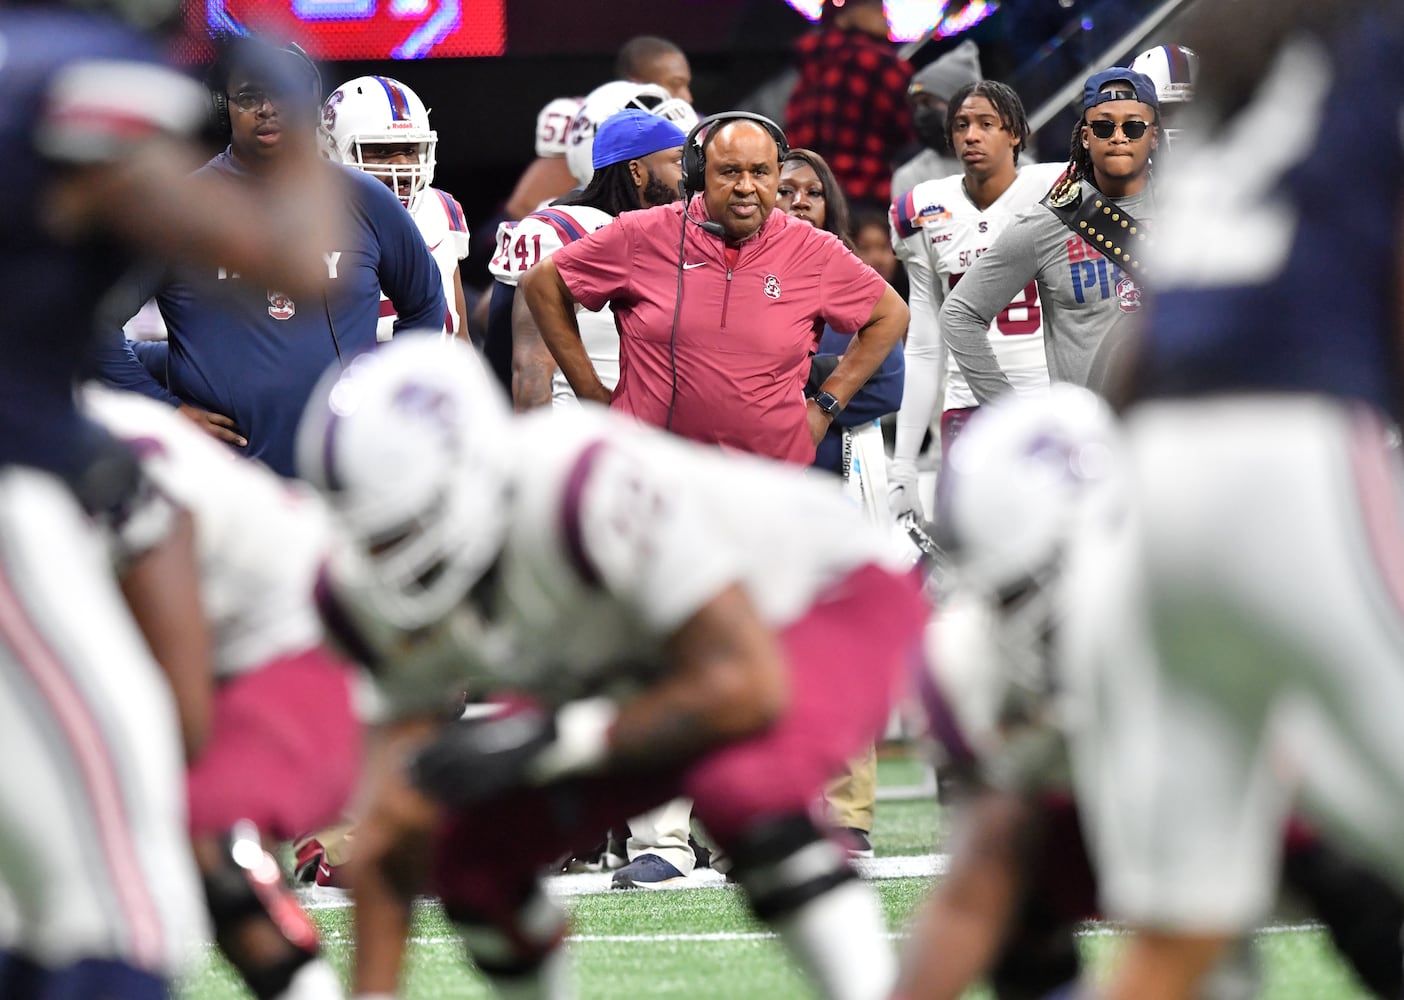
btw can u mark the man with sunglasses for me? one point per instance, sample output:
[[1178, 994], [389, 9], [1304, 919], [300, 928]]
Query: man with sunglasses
[[1082, 245]]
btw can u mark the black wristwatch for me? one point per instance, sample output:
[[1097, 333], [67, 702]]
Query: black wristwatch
[[829, 403]]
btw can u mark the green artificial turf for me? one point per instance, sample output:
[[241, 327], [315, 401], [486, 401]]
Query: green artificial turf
[[702, 943]]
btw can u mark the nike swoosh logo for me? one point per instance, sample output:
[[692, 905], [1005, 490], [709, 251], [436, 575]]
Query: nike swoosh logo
[[435, 246], [689, 267]]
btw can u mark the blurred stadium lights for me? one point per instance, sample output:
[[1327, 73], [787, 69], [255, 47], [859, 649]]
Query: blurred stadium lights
[[918, 20]]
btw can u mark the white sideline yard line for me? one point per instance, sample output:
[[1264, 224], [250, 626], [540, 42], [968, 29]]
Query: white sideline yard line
[[908, 793], [590, 883], [1090, 930]]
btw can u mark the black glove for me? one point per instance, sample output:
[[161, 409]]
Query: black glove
[[475, 759]]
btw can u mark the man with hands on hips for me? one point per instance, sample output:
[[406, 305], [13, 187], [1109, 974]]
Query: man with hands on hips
[[720, 301]]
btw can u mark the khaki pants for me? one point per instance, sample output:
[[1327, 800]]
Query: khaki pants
[[852, 796]]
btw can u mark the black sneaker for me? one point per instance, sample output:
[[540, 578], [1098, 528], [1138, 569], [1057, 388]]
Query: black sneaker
[[701, 853]]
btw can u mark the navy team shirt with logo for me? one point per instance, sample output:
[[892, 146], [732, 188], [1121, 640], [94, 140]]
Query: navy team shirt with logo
[[66, 98], [254, 353], [1282, 276]]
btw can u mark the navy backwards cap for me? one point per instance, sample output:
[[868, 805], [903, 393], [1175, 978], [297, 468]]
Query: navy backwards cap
[[1136, 87], [631, 133]]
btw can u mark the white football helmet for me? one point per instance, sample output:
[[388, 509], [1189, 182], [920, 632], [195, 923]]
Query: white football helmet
[[1014, 482], [1173, 69], [1018, 481], [376, 110], [553, 126], [610, 99], [411, 444]]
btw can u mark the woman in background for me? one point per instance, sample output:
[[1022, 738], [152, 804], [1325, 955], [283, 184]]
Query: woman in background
[[853, 447]]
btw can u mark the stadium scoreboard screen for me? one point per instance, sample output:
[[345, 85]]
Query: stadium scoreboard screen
[[350, 30], [338, 30]]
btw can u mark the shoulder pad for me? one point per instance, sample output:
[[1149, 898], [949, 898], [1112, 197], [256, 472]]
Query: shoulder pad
[[453, 210]]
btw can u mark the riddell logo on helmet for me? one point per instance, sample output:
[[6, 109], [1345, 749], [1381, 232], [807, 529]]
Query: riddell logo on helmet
[[402, 124]]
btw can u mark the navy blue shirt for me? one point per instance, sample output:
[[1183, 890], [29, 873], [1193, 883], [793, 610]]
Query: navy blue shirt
[[254, 354], [65, 100], [1281, 275], [880, 395]]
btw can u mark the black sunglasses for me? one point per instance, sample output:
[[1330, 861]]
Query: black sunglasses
[[1104, 129]]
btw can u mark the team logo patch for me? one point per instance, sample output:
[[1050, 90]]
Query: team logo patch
[[280, 306], [932, 213], [1128, 296], [772, 286]]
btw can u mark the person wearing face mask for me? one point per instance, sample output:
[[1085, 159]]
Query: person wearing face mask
[[929, 96]]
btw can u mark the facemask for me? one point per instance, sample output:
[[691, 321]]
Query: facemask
[[930, 126]]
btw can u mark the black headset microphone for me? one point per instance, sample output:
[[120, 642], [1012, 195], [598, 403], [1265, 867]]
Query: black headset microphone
[[715, 228], [694, 171]]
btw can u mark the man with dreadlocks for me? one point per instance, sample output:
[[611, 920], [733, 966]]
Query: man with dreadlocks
[[1082, 246], [939, 229], [637, 159]]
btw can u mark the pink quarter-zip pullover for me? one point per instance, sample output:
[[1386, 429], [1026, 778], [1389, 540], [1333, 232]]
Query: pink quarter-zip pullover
[[749, 320]]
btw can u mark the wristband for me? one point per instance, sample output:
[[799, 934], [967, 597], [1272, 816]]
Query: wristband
[[582, 740]]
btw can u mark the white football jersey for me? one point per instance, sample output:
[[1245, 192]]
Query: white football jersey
[[445, 230], [538, 236], [939, 234], [553, 126], [260, 539], [618, 534]]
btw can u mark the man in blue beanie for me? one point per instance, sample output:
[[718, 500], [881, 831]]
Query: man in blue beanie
[[637, 159]]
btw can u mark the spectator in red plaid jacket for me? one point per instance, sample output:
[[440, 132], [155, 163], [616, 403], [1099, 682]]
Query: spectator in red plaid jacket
[[850, 102]]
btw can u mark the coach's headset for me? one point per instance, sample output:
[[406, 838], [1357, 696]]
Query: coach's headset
[[694, 159], [694, 179], [217, 79]]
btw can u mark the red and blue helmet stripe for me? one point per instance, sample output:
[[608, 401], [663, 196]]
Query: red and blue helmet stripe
[[399, 103], [1179, 60]]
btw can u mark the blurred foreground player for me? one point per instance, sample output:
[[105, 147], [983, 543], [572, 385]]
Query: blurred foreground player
[[999, 706], [660, 623], [96, 132], [283, 748], [1248, 630]]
